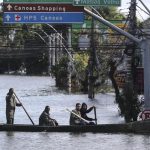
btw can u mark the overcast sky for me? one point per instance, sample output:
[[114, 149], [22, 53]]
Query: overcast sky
[[140, 14], [125, 5]]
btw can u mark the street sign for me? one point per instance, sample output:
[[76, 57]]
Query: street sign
[[97, 2], [26, 7], [43, 17], [38, 1], [145, 115]]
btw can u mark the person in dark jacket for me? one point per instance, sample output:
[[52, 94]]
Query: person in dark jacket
[[11, 104], [45, 119], [84, 112]]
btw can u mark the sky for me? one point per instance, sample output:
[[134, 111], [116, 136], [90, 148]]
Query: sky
[[140, 14], [125, 5]]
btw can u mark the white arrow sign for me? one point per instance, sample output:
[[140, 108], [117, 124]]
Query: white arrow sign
[[7, 17], [9, 7], [77, 2]]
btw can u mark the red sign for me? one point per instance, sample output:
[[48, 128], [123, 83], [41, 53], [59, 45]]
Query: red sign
[[17, 18], [27, 7], [145, 115]]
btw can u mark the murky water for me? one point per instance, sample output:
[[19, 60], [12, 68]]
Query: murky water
[[37, 92]]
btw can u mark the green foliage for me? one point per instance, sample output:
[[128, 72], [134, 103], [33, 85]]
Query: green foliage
[[60, 70], [110, 13], [81, 62], [80, 65], [78, 73]]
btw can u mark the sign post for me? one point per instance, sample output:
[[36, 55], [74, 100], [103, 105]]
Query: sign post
[[39, 1], [43, 17], [27, 7], [97, 2], [42, 13]]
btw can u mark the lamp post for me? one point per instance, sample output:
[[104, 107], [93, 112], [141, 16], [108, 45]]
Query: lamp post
[[69, 67]]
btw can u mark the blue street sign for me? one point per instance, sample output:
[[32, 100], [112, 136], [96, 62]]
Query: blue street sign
[[43, 17]]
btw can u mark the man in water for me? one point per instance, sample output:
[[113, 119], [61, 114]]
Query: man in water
[[11, 104], [45, 119]]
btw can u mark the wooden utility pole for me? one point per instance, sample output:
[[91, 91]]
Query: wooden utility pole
[[131, 46], [144, 44], [91, 64]]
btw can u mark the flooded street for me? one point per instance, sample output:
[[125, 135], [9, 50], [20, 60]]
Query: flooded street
[[37, 92]]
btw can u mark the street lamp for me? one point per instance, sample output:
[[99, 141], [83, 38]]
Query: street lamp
[[62, 43], [71, 60]]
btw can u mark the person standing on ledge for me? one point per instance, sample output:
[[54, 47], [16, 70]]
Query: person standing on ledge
[[11, 104]]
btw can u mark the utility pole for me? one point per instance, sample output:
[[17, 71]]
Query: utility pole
[[131, 46], [69, 63], [91, 64], [129, 90], [144, 44]]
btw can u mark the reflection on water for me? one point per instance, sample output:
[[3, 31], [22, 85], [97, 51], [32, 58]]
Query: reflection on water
[[68, 141], [37, 92], [10, 133]]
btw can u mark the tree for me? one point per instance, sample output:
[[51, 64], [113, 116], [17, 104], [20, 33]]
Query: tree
[[111, 13]]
